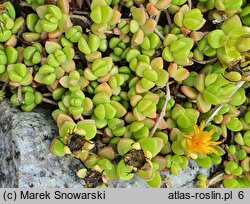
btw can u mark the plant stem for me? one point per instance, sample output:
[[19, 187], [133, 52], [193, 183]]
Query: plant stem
[[49, 101], [190, 4], [19, 35], [157, 18], [99, 132], [24, 4], [119, 6], [215, 179], [160, 87], [168, 18], [159, 34], [156, 88], [82, 18], [80, 13], [206, 61], [109, 32], [217, 109], [237, 87], [155, 30], [76, 57], [19, 95], [47, 94], [171, 82], [4, 85], [142, 6], [162, 114]]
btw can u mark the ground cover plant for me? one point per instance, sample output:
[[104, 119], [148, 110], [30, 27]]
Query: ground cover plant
[[138, 87]]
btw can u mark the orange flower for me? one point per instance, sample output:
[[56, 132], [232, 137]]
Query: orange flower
[[200, 142]]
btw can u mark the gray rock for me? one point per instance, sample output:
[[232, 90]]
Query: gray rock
[[25, 160], [185, 179]]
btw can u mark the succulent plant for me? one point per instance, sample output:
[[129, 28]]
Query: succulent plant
[[177, 50], [176, 163], [8, 55], [232, 47], [102, 15], [222, 5], [119, 49], [244, 15], [35, 3], [67, 126], [191, 19], [7, 20], [90, 46], [137, 157], [57, 55], [46, 74], [154, 7], [201, 181], [130, 85], [49, 16], [99, 69], [75, 103], [185, 118], [18, 73], [28, 100], [73, 81], [32, 54]]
